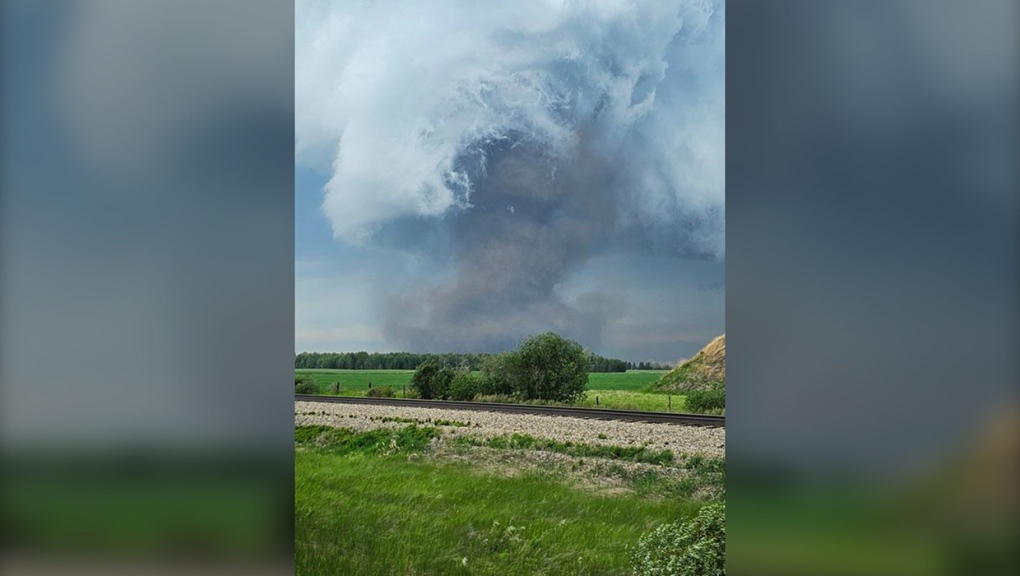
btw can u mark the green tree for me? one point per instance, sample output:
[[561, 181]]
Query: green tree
[[441, 383], [548, 367], [431, 382], [463, 387], [496, 375], [422, 381]]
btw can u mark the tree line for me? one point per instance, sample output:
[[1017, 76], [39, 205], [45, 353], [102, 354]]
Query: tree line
[[453, 360]]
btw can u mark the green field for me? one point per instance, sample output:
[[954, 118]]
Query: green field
[[369, 507], [355, 381], [631, 380], [624, 400]]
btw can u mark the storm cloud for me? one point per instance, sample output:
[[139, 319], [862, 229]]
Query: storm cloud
[[509, 144]]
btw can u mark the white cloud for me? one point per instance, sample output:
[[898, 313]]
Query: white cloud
[[395, 95]]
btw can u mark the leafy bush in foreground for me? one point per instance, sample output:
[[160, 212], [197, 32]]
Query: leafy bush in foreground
[[696, 547], [304, 384]]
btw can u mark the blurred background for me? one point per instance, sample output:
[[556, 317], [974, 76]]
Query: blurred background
[[146, 286], [873, 310]]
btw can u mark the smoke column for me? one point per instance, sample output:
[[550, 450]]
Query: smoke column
[[512, 142]]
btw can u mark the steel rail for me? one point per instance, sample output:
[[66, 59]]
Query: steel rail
[[590, 413]]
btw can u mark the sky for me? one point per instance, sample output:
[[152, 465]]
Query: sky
[[468, 175]]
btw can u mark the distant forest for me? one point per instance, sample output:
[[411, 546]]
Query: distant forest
[[409, 361]]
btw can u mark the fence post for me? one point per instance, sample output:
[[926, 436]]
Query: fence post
[[596, 400], [669, 407]]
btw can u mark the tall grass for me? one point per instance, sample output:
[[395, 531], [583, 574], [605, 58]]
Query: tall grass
[[378, 510]]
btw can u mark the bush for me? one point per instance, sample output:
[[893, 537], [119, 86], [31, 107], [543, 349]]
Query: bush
[[495, 380], [703, 401], [431, 382], [304, 384], [463, 387], [441, 383], [380, 392], [421, 382], [548, 367], [696, 547]]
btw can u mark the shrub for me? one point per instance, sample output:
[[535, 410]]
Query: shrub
[[703, 401], [495, 380], [441, 383], [380, 392], [548, 367], [304, 384], [463, 387], [421, 382], [696, 547], [431, 382]]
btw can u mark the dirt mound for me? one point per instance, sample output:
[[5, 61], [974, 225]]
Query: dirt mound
[[699, 373]]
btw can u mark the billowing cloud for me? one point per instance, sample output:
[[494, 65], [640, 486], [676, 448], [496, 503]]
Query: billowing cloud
[[529, 136]]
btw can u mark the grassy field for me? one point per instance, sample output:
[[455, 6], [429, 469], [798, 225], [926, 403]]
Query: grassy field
[[621, 390], [355, 382], [363, 505], [624, 400], [631, 380]]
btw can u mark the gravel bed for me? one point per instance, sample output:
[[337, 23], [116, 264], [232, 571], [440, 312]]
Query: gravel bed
[[361, 417]]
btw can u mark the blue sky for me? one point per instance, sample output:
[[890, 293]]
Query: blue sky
[[467, 177]]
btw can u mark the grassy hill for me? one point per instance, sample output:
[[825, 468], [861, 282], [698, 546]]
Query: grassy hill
[[698, 373]]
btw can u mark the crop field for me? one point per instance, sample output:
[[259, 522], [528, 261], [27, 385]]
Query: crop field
[[397, 504]]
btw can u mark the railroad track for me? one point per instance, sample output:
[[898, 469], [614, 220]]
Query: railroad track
[[591, 413]]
